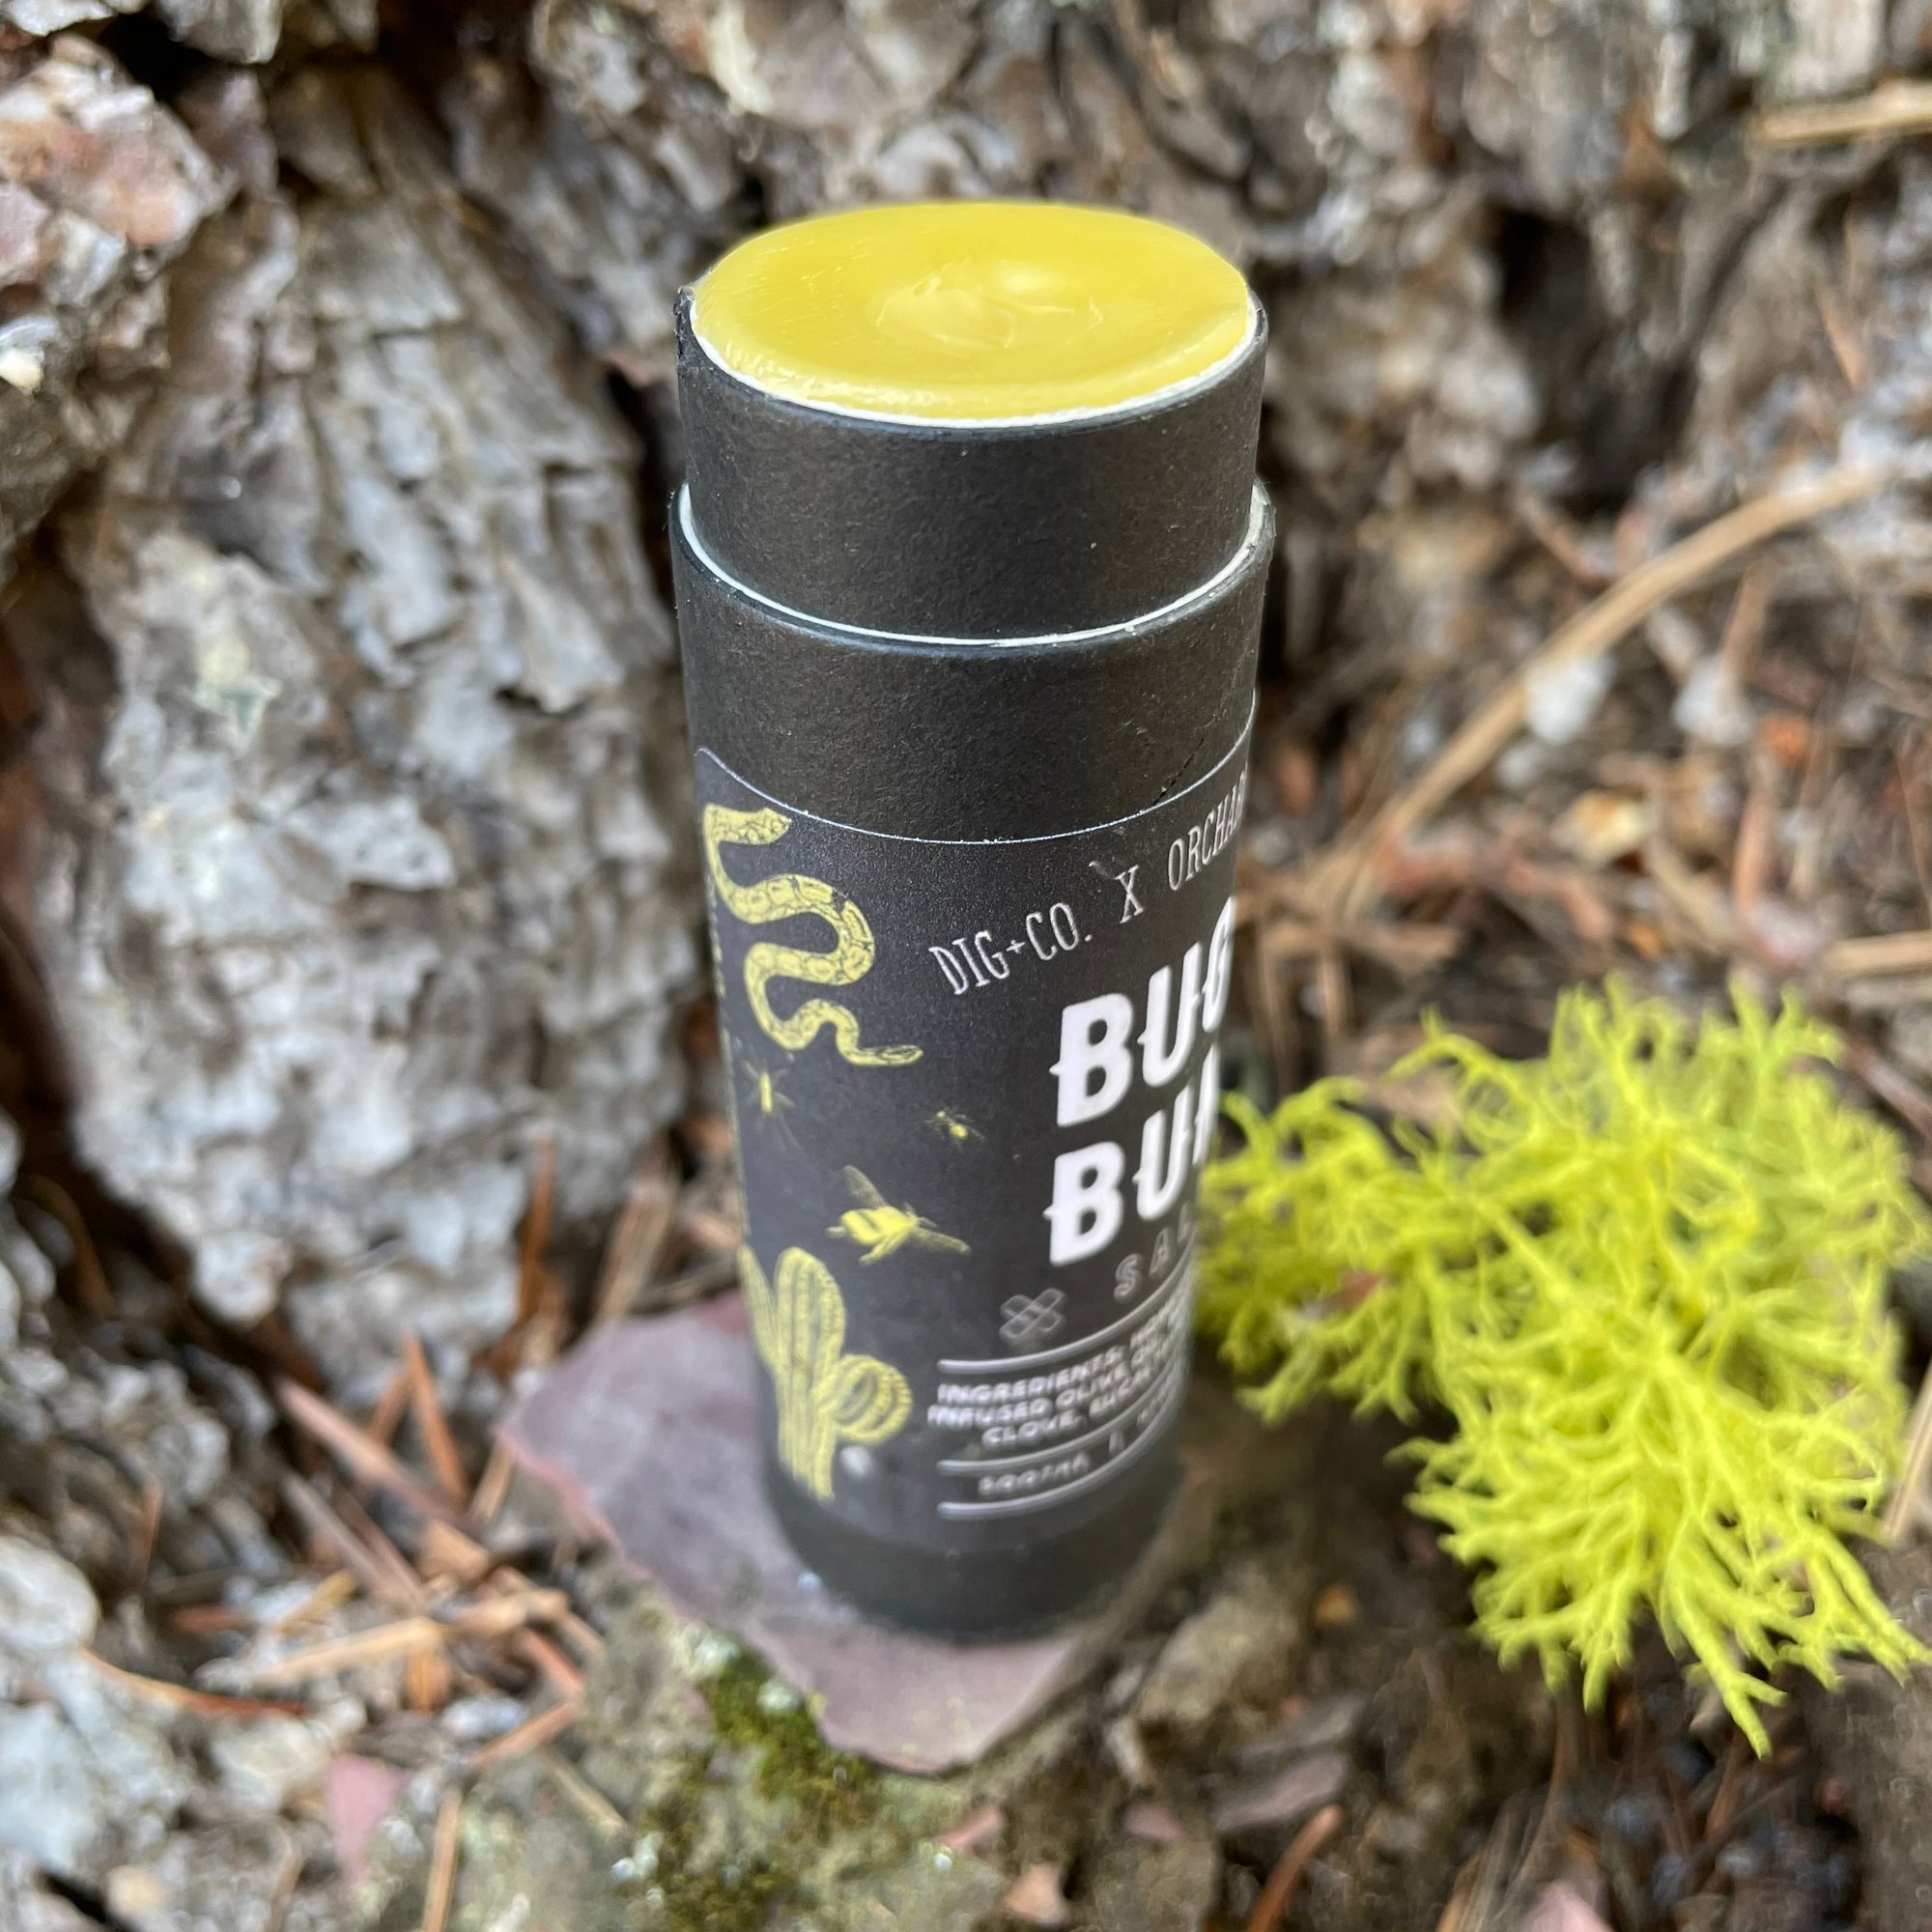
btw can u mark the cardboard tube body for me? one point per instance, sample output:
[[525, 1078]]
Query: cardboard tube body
[[970, 707]]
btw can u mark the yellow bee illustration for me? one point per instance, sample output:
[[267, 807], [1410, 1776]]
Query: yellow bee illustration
[[881, 1229], [954, 1128]]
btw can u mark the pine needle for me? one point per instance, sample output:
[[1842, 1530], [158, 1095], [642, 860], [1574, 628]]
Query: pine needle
[[356, 1450], [383, 1644], [438, 1442], [184, 1696], [636, 1242], [376, 1568], [443, 1848], [495, 1617], [533, 1734], [1279, 1891], [90, 1277], [493, 1487]]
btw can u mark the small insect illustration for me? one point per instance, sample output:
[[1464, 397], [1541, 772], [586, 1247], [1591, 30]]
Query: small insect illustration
[[954, 1128], [767, 1100], [882, 1230]]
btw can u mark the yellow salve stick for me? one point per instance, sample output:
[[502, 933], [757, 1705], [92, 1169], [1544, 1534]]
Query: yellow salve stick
[[971, 563], [972, 311]]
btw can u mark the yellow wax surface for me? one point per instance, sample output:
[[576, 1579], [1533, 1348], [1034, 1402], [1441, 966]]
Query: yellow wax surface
[[970, 311]]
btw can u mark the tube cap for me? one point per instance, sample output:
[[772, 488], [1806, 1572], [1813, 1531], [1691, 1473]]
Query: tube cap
[[971, 529]]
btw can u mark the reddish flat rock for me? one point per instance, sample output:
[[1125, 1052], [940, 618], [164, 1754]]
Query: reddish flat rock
[[359, 1793], [648, 1433]]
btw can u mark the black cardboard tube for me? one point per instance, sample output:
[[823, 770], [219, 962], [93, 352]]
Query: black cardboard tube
[[970, 708]]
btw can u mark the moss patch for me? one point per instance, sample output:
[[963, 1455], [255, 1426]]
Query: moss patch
[[831, 1790], [686, 1893], [743, 1822]]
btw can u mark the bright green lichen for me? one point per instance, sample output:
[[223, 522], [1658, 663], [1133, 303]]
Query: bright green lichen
[[1646, 1277]]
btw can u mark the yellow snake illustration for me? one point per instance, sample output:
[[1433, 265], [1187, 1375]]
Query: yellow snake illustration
[[825, 1397], [783, 895]]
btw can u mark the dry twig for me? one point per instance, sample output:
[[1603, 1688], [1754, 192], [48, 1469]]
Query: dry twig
[[498, 1617], [493, 1487], [154, 1505], [391, 1405], [428, 1680], [1898, 108], [334, 1590], [1346, 880], [1879, 956], [550, 1663], [384, 1645], [598, 1810], [445, 1551]]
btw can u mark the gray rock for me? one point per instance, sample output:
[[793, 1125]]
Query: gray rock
[[236, 30], [1145, 1887], [26, 1276], [1239, 1648], [1833, 47], [233, 30], [130, 1753], [27, 1906], [1561, 1908], [1277, 1802], [1403, 364], [1550, 86], [46, 1606], [229, 1878], [54, 17], [266, 1764], [1322, 1724], [953, 1895], [370, 881], [53, 1807]]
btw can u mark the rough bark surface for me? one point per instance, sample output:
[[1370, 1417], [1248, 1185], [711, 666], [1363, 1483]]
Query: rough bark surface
[[356, 877], [101, 189]]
